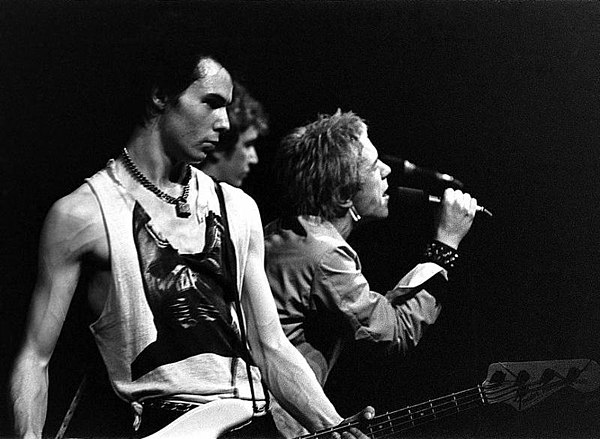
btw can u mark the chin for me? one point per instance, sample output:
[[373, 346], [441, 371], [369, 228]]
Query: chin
[[375, 216], [383, 213], [196, 158]]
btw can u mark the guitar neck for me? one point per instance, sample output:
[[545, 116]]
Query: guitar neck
[[415, 415], [419, 414], [510, 383]]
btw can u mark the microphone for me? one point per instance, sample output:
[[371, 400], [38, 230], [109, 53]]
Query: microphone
[[411, 196], [410, 169]]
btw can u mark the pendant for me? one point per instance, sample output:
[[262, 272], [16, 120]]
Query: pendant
[[183, 209]]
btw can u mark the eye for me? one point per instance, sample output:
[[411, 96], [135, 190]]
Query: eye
[[214, 102]]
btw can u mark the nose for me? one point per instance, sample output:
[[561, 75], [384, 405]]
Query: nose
[[222, 120], [384, 169], [251, 155]]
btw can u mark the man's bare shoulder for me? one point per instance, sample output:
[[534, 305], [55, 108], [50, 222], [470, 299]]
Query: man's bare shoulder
[[80, 206], [75, 223]]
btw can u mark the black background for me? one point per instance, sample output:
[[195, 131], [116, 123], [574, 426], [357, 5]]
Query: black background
[[503, 95]]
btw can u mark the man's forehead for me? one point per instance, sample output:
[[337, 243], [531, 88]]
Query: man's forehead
[[369, 151], [209, 67], [214, 79]]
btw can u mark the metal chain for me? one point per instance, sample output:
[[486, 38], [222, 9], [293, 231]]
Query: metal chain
[[141, 178]]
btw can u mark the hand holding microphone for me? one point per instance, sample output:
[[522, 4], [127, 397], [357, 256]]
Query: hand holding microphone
[[457, 209], [455, 217], [410, 195]]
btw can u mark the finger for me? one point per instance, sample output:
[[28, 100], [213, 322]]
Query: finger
[[352, 433], [466, 201], [450, 195], [473, 207]]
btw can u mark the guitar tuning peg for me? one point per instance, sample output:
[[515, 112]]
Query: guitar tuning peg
[[547, 376]]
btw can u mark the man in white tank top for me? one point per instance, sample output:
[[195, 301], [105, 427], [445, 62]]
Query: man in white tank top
[[167, 260]]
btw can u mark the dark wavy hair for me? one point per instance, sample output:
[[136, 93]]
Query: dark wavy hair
[[318, 165], [244, 112], [170, 69]]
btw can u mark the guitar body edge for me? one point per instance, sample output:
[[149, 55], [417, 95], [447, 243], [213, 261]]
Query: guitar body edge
[[207, 421]]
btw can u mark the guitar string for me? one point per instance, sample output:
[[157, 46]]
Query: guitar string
[[494, 395], [503, 393], [425, 415], [388, 418], [393, 430], [416, 422]]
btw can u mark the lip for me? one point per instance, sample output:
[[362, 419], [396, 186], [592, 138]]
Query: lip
[[209, 145]]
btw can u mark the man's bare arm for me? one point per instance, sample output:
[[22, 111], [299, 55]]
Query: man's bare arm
[[287, 373], [62, 242]]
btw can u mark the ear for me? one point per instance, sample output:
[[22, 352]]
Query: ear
[[348, 204], [159, 100]]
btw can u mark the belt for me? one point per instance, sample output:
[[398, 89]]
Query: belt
[[172, 406]]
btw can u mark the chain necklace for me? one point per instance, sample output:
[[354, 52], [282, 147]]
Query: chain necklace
[[182, 207]]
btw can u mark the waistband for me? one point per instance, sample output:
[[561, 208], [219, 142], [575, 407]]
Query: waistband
[[174, 406], [158, 413]]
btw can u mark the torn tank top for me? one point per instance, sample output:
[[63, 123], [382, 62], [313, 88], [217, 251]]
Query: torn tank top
[[168, 327]]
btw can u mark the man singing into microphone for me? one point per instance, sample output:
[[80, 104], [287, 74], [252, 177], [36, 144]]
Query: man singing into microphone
[[333, 180]]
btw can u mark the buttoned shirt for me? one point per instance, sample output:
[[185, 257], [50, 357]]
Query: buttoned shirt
[[324, 300]]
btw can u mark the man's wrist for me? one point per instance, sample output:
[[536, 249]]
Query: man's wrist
[[448, 239], [441, 254]]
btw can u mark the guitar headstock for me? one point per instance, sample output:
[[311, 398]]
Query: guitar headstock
[[524, 384]]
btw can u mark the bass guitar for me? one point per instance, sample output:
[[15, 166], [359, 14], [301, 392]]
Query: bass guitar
[[519, 384]]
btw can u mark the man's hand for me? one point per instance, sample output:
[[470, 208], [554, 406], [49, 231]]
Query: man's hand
[[364, 415], [454, 217]]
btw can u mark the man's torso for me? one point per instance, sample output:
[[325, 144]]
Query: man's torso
[[164, 251]]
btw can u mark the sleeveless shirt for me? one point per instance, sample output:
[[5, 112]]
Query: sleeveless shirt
[[168, 326]]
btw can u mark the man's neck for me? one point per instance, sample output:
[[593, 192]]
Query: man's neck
[[211, 169], [344, 225], [146, 151]]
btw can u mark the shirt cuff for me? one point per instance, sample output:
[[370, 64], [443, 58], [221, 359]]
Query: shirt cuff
[[415, 278]]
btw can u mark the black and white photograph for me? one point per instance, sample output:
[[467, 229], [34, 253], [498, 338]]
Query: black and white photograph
[[356, 219]]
